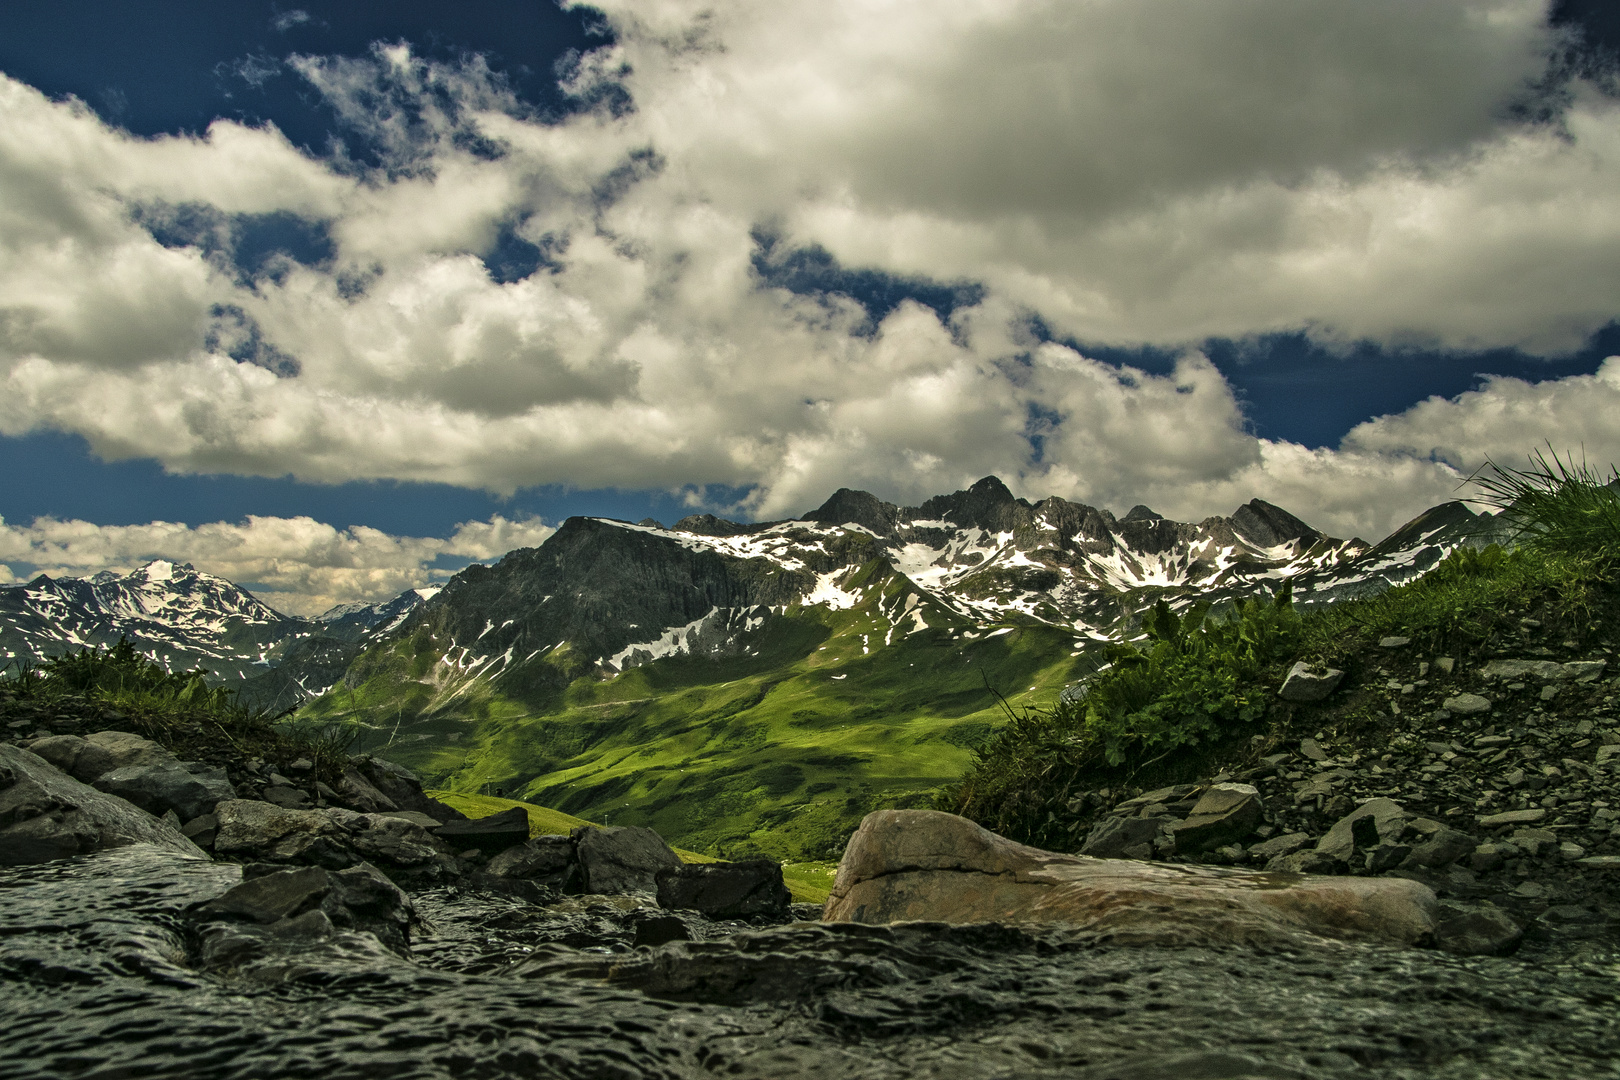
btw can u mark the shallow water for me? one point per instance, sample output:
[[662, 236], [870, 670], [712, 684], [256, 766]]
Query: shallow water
[[97, 980]]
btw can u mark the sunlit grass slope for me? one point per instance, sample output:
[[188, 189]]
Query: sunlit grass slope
[[778, 751]]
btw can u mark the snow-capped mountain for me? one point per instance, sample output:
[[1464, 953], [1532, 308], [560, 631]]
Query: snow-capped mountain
[[350, 622], [615, 595], [172, 612]]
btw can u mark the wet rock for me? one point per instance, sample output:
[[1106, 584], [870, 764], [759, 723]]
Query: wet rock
[[359, 898], [389, 840], [250, 829], [1466, 704], [161, 786], [491, 835], [1124, 837], [46, 814], [1309, 682], [655, 930], [545, 860], [734, 890], [202, 830], [1479, 931], [1226, 813], [622, 859], [923, 864], [1387, 857]]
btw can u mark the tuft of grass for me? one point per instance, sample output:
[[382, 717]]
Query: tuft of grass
[[1558, 506]]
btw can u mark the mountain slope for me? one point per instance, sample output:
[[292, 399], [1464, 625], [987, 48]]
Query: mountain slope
[[761, 686]]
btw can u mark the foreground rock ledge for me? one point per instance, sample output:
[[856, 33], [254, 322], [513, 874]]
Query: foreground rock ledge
[[926, 865]]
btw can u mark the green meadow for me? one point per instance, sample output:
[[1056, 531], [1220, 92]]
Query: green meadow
[[779, 750]]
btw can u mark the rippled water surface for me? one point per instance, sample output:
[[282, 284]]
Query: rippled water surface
[[97, 980]]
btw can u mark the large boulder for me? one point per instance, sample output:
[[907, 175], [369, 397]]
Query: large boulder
[[545, 860], [923, 864], [105, 751], [733, 890], [160, 786], [622, 859], [491, 835], [46, 814]]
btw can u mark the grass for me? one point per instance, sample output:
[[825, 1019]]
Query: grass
[[779, 752], [1204, 693], [180, 710]]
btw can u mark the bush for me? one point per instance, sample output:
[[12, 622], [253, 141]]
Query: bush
[[1559, 507]]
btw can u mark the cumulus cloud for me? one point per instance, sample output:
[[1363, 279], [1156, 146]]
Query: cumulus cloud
[[297, 565], [507, 300]]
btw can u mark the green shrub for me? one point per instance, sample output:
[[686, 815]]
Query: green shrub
[[1558, 506]]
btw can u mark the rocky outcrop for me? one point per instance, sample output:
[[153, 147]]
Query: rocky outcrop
[[46, 814], [490, 835], [316, 900], [737, 890], [334, 839], [923, 864], [622, 859]]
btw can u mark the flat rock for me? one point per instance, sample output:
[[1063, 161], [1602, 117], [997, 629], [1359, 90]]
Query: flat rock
[[1309, 682], [733, 890], [927, 865], [622, 860], [1464, 704], [46, 814], [1278, 846], [105, 751], [1513, 817], [1601, 862]]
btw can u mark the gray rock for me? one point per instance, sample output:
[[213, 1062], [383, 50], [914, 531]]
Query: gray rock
[[105, 751], [1111, 837], [60, 750], [735, 890], [403, 789], [491, 835], [1388, 820], [358, 793], [621, 859], [1601, 862], [202, 830], [1309, 682], [288, 798], [1444, 847], [1387, 857], [1226, 813], [1280, 845], [250, 829], [387, 839], [1513, 817], [1487, 857], [1466, 704], [161, 786], [1481, 931], [359, 898], [46, 814], [546, 860], [1394, 642], [1309, 861]]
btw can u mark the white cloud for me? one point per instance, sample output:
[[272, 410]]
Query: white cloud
[[1136, 173], [297, 565]]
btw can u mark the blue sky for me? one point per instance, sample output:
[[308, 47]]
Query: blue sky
[[350, 294]]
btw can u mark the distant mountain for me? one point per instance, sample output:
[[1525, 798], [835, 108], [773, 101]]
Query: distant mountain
[[659, 676], [185, 618], [172, 612]]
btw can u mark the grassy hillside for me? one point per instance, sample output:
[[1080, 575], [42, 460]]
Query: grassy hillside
[[779, 750]]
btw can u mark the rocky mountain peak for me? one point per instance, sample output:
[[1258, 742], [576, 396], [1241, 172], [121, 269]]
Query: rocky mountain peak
[[1142, 513], [858, 507]]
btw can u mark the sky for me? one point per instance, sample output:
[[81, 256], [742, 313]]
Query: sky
[[333, 299]]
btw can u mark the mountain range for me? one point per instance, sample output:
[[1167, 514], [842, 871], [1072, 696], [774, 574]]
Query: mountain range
[[739, 686]]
